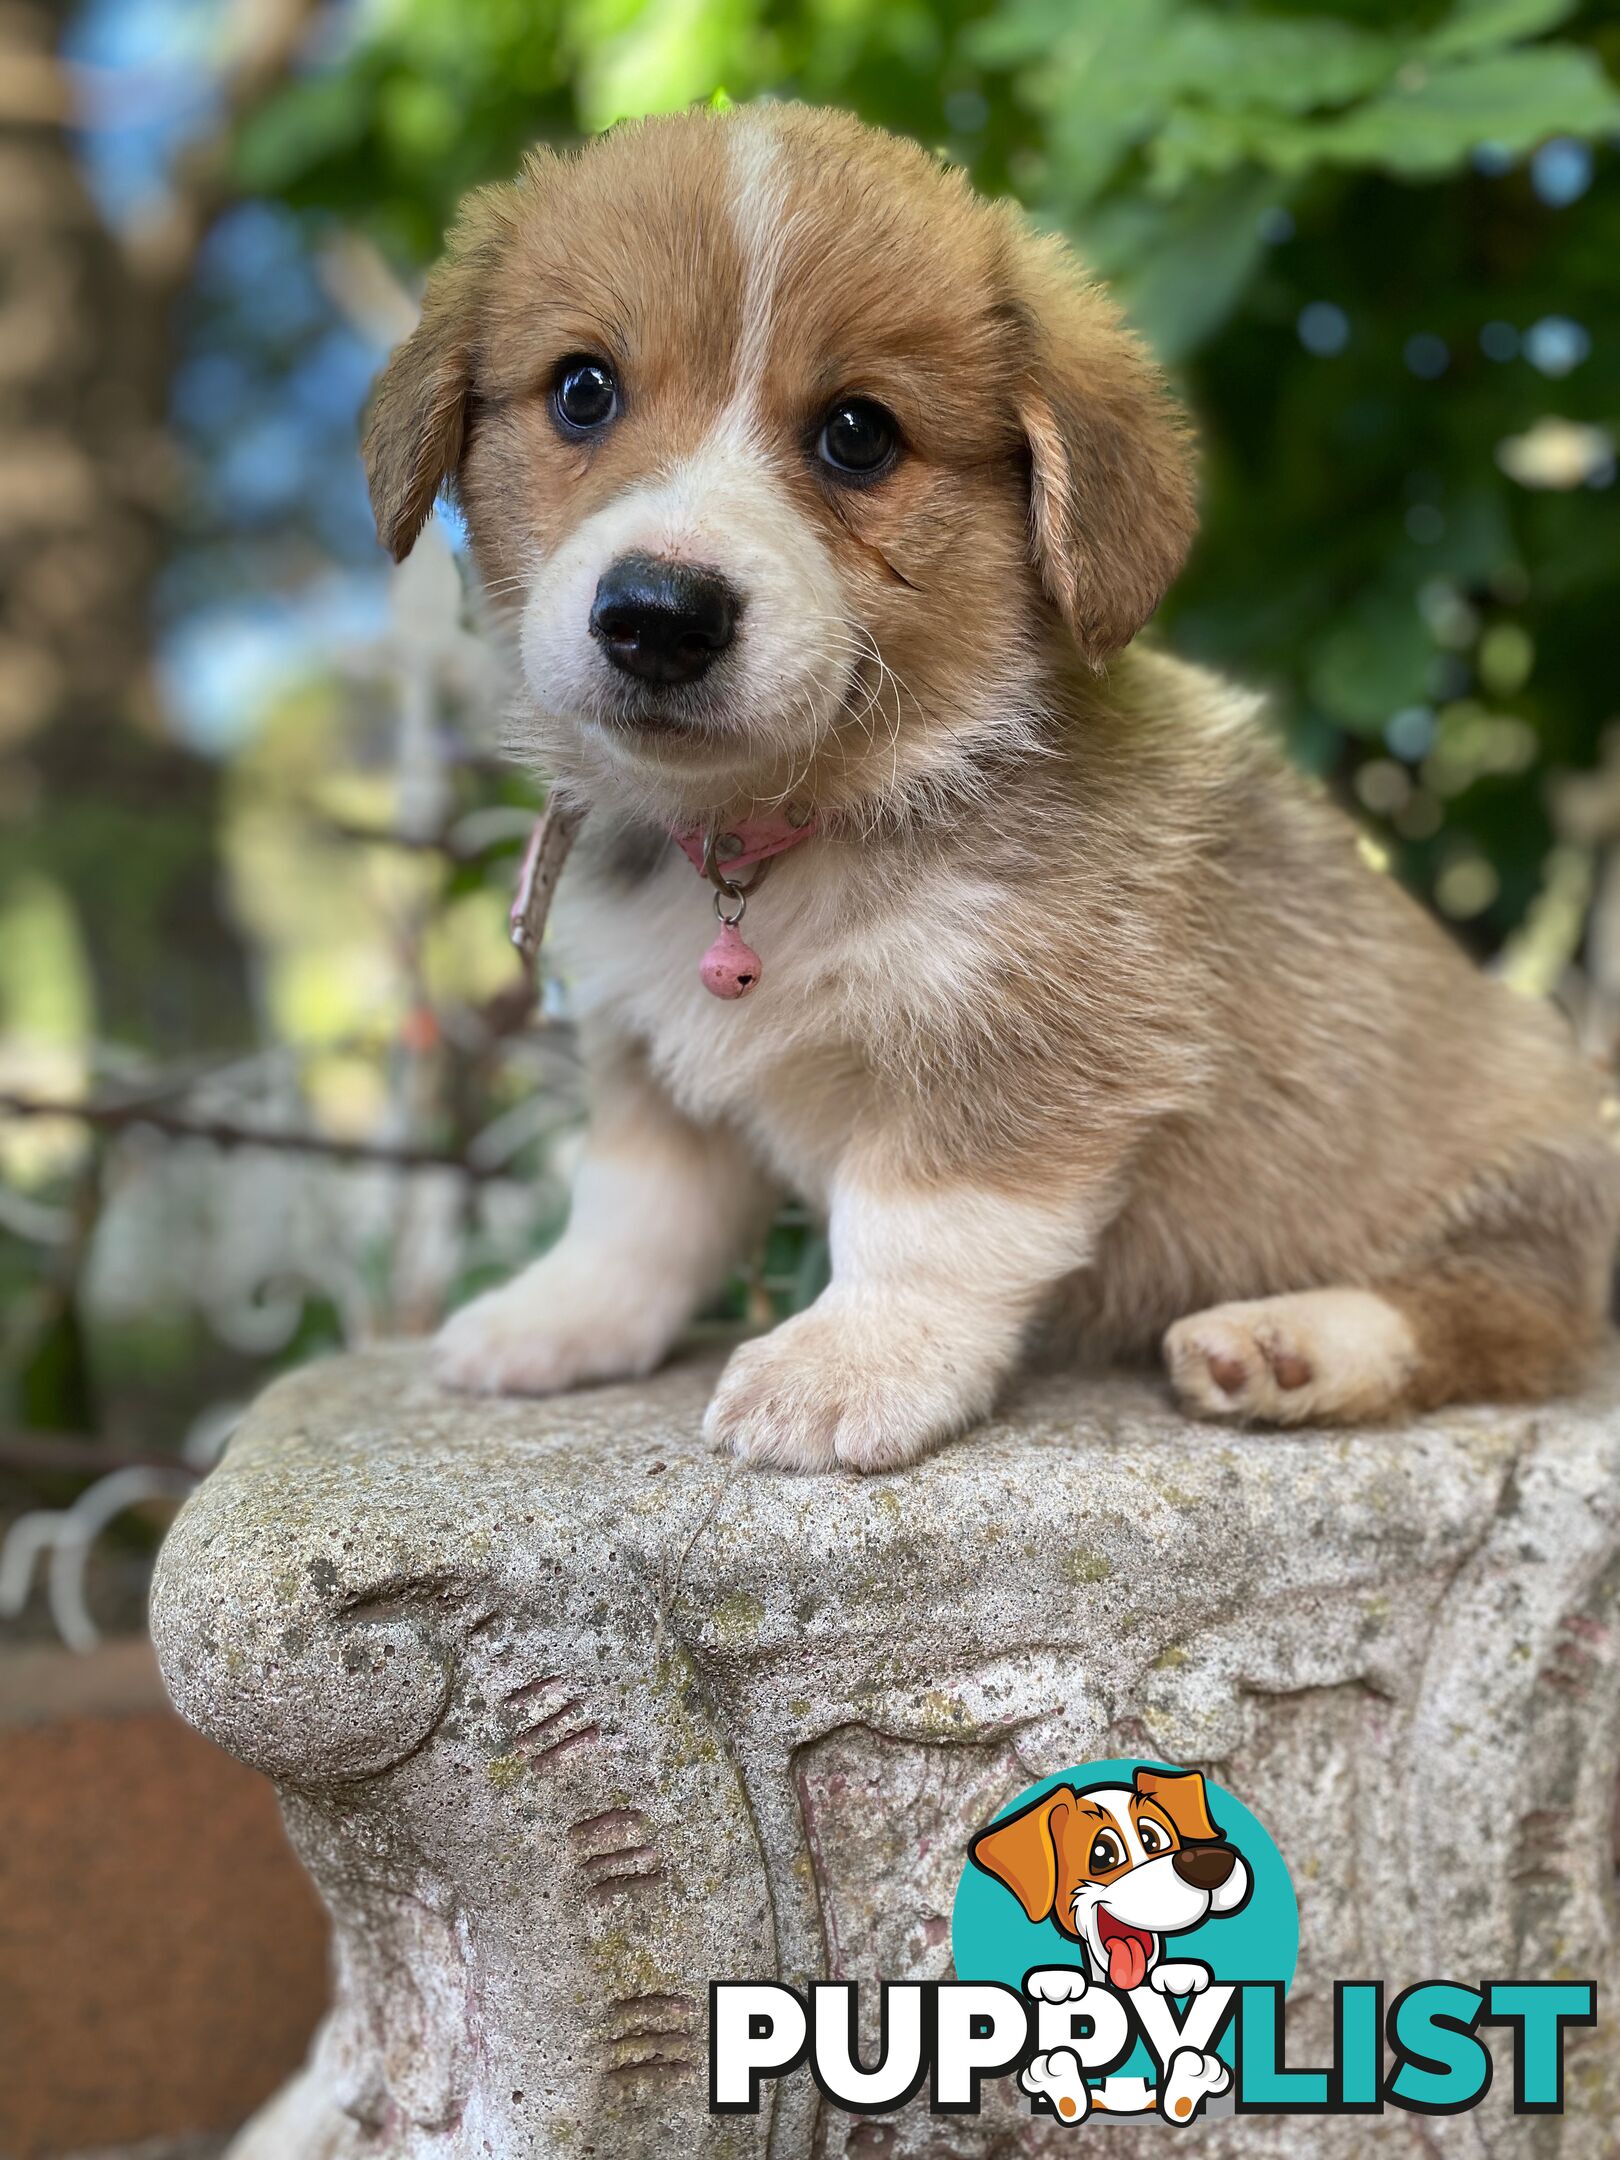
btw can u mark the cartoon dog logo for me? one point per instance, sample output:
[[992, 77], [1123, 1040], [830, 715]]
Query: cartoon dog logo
[[1118, 1868]]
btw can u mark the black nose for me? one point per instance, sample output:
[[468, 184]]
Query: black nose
[[1206, 1867], [662, 621]]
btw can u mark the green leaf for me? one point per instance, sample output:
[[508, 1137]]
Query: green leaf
[[662, 58], [1085, 30], [1373, 661], [1432, 120], [1100, 80], [1240, 62], [1201, 91], [1161, 51], [315, 118], [419, 119], [1195, 142], [813, 1272], [1180, 269], [1475, 25]]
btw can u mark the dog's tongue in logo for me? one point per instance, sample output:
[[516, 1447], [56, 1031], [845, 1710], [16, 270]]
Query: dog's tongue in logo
[[1127, 1950]]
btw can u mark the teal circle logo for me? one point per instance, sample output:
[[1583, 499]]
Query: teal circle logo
[[1121, 1869]]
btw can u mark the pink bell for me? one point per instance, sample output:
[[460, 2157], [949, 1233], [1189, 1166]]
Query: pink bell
[[730, 968]]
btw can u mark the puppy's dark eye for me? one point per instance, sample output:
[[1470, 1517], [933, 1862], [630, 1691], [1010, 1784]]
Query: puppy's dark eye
[[858, 437], [585, 394], [1153, 1838], [1106, 1852]]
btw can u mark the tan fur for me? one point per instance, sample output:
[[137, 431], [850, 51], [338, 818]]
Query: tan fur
[[1082, 1011], [1042, 1853]]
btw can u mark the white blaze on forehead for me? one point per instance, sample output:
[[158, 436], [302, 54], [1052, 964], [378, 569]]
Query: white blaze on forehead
[[1117, 1800], [725, 504], [759, 216]]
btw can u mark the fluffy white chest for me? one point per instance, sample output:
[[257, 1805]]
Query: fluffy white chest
[[850, 968]]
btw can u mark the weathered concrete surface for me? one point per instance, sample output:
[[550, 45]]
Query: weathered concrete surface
[[569, 1718]]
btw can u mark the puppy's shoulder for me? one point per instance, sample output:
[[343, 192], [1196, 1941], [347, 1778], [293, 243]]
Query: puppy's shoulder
[[1175, 750], [1201, 720]]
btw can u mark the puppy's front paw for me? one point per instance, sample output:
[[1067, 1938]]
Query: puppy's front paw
[[830, 1390], [1193, 2077], [550, 1329], [1058, 2078]]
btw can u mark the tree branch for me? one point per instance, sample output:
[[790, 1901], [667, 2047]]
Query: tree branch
[[224, 1133], [67, 1455]]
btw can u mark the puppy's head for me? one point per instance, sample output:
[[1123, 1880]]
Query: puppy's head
[[784, 452], [1118, 1866]]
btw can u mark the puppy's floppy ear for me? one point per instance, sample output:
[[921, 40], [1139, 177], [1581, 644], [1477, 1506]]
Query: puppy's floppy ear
[[1182, 1796], [1022, 1851], [1113, 505], [416, 427]]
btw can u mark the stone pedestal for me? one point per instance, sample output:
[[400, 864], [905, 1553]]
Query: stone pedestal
[[569, 1718]]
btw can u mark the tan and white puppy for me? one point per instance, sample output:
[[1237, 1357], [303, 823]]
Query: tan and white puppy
[[802, 476], [1118, 1868]]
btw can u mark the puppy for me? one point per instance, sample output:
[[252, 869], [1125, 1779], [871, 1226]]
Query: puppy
[[1117, 1868], [822, 501]]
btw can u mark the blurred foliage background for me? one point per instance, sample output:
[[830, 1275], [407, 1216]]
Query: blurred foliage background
[[267, 1082]]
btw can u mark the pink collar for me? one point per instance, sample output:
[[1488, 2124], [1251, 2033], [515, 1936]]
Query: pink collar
[[746, 841], [730, 968]]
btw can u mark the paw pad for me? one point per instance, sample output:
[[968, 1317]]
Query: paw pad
[[1228, 1372], [1288, 1368]]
